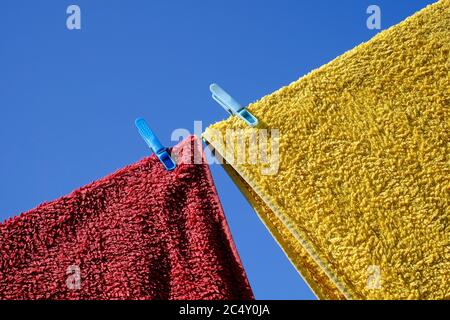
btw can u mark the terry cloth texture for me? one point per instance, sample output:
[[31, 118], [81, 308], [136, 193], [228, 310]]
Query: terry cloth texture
[[140, 233], [360, 203]]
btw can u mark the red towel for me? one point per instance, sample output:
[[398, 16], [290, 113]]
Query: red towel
[[140, 233]]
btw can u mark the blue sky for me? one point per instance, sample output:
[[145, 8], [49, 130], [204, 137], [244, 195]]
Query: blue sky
[[68, 99]]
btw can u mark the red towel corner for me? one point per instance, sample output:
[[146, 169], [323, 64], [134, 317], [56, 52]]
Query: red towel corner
[[140, 233]]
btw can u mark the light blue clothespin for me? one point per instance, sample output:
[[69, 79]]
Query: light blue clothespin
[[154, 144], [232, 106]]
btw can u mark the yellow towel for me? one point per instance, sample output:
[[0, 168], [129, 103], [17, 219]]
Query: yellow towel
[[360, 200]]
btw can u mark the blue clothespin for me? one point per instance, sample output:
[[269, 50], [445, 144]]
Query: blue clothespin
[[154, 144], [232, 106]]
